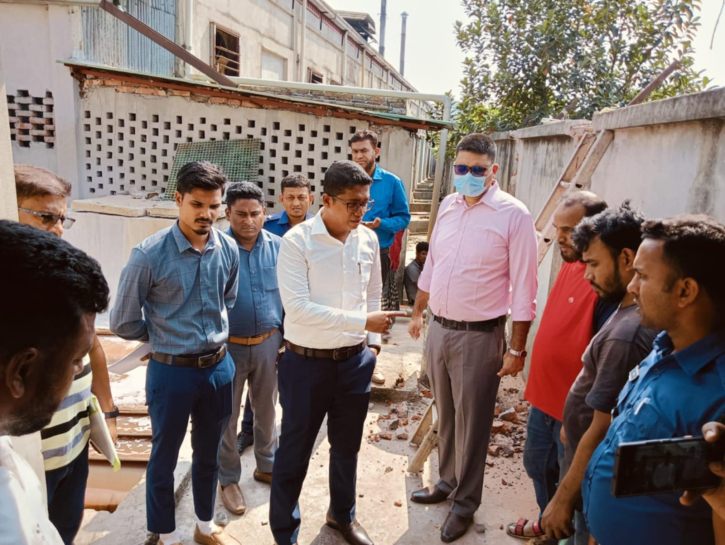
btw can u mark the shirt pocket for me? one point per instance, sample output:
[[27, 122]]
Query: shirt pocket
[[645, 421], [269, 279]]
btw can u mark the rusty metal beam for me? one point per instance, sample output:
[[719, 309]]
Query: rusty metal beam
[[167, 44]]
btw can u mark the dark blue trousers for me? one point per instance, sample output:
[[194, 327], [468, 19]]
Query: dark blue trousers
[[173, 394], [309, 389], [66, 488]]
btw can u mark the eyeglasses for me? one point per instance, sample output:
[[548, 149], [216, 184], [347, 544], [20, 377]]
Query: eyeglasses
[[353, 207], [49, 220], [477, 171]]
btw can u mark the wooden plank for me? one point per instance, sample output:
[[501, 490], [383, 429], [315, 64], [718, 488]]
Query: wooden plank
[[580, 181], [424, 426], [430, 441]]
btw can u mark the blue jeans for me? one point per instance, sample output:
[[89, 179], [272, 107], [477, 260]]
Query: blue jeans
[[543, 455], [173, 394], [66, 488], [309, 390]]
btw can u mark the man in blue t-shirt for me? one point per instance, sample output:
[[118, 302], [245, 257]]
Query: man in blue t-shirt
[[388, 212]]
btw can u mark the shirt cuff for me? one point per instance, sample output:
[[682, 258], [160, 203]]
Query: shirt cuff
[[523, 314], [356, 321], [375, 339]]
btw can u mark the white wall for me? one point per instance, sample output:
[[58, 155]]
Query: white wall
[[32, 38]]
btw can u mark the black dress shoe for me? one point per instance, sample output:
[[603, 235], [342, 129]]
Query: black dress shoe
[[244, 440], [454, 527], [427, 495], [353, 533]]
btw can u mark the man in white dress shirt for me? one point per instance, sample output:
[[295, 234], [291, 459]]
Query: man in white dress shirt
[[55, 292], [329, 279]]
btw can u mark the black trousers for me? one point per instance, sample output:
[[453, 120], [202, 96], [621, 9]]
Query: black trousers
[[310, 389]]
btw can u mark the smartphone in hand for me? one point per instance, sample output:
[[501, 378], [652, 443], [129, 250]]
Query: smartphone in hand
[[665, 465]]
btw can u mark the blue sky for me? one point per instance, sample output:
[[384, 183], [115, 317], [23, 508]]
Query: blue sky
[[433, 61]]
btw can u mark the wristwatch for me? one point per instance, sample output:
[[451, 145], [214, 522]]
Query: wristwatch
[[112, 414], [518, 353]]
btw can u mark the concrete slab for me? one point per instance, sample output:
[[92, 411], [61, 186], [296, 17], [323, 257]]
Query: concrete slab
[[400, 358]]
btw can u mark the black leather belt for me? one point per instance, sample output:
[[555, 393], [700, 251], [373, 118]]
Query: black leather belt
[[201, 361], [486, 325], [338, 354]]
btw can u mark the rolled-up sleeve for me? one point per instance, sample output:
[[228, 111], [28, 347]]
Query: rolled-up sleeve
[[294, 288], [523, 267], [127, 319]]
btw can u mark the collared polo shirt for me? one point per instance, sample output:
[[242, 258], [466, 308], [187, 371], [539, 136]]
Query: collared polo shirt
[[258, 309], [279, 224], [667, 395]]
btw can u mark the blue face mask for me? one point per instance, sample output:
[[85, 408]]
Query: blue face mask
[[469, 185]]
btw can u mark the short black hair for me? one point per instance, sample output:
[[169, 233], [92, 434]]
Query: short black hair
[[694, 246], [33, 181], [200, 175], [49, 285], [244, 190], [366, 134], [296, 180], [618, 228], [593, 204], [421, 247], [344, 175], [478, 143]]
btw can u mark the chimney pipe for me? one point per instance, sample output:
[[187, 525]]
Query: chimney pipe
[[404, 15], [383, 17]]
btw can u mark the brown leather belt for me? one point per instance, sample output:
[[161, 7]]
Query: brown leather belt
[[338, 354], [201, 361], [251, 341], [486, 325]]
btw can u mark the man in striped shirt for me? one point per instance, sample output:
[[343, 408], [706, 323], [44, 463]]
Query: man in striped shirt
[[42, 203]]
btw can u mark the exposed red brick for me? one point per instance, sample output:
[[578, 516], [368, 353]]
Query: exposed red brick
[[219, 100], [247, 104], [235, 102], [111, 82], [159, 92], [177, 93], [144, 91], [200, 98], [125, 89]]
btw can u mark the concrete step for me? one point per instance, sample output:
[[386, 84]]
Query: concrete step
[[422, 195], [419, 206], [424, 186], [418, 225]]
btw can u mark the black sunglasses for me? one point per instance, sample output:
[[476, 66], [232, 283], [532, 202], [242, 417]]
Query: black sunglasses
[[462, 170]]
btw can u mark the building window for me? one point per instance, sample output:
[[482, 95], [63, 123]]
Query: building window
[[315, 77], [273, 66], [225, 57]]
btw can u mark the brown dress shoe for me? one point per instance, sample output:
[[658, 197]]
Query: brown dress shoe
[[219, 537], [262, 477], [353, 533], [454, 527], [429, 495], [233, 499]]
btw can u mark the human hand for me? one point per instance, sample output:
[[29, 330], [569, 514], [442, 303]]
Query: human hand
[[415, 327], [562, 435], [512, 365], [375, 350], [372, 224], [712, 432], [557, 519], [380, 320]]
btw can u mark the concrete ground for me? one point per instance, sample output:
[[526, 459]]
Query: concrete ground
[[382, 481]]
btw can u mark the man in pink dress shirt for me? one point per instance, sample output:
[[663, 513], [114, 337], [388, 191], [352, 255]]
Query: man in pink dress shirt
[[481, 265]]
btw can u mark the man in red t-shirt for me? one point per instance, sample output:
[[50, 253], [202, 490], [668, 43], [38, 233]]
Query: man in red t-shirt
[[566, 327]]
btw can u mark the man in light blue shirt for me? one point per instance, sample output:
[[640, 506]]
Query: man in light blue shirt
[[174, 293], [254, 339], [677, 389], [389, 213], [296, 197]]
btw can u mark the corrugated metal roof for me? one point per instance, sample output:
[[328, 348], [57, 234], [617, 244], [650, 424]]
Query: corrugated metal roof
[[381, 117], [108, 41]]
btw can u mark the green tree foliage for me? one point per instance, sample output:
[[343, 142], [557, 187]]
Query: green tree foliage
[[528, 59]]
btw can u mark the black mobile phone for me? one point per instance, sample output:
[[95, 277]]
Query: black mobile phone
[[665, 465]]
